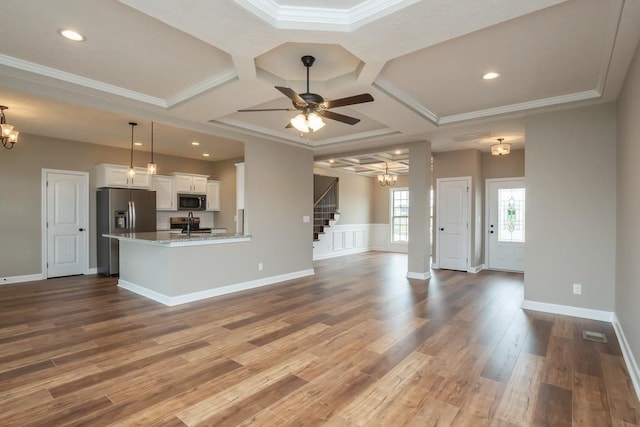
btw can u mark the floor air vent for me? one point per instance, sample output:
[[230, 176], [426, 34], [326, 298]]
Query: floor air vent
[[594, 336]]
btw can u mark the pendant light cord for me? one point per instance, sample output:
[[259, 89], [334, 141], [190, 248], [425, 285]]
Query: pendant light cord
[[151, 142]]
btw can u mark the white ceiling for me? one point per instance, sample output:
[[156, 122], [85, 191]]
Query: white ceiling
[[190, 69]]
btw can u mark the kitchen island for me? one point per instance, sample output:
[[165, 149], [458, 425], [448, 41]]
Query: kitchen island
[[176, 268]]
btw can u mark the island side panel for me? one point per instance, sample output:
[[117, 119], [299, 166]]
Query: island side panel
[[147, 266], [174, 271]]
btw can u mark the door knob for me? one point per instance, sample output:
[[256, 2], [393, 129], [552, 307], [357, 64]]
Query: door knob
[[442, 229], [80, 229], [491, 232]]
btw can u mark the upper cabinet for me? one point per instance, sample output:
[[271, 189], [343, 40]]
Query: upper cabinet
[[165, 193], [118, 176], [191, 183], [213, 195]]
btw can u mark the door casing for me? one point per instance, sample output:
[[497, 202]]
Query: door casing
[[439, 219], [43, 215]]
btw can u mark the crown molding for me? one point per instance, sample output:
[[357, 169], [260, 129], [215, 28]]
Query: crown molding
[[522, 106], [322, 18], [201, 87], [75, 79]]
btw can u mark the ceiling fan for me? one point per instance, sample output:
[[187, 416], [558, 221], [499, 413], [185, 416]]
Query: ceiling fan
[[313, 106]]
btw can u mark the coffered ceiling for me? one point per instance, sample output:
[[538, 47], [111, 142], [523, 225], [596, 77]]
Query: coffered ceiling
[[189, 66]]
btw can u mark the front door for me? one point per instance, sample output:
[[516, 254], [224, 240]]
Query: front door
[[452, 231], [505, 224], [67, 240]]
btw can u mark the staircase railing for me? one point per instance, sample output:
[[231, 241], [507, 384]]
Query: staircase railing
[[324, 208]]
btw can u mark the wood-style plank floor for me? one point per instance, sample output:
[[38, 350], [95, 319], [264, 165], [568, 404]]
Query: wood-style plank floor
[[356, 344]]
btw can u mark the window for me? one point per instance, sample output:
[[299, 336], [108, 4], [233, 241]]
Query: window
[[511, 215], [399, 215]]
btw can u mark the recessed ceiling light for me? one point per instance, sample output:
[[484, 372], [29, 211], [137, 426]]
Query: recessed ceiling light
[[331, 161], [137, 143], [72, 35], [398, 152], [196, 143], [205, 154], [491, 75]]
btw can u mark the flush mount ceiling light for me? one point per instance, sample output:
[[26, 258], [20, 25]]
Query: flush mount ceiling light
[[72, 35], [9, 135], [500, 149], [386, 179], [152, 168], [132, 171], [491, 75]]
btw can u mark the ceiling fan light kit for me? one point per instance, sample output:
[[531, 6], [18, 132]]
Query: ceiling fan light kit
[[500, 149], [313, 107]]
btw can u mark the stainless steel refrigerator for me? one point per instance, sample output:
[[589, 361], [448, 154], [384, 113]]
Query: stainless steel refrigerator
[[120, 210]]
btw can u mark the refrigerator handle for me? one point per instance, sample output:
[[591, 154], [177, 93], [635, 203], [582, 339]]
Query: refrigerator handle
[[129, 214], [133, 210]]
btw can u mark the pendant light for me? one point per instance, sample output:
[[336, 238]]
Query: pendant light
[[152, 168], [132, 171]]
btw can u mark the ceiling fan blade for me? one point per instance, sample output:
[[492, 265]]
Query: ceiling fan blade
[[266, 109], [339, 117], [350, 100], [292, 95]]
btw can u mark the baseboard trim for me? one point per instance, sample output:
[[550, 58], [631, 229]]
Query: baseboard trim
[[20, 279], [209, 293], [92, 270], [629, 359], [419, 276], [435, 266], [567, 310], [476, 269], [341, 253]]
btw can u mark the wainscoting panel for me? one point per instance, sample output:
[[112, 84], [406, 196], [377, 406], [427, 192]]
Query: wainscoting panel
[[341, 240]]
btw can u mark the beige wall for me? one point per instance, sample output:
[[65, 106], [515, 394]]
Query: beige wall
[[571, 206], [20, 202], [509, 166], [355, 196], [278, 193], [627, 294], [225, 172]]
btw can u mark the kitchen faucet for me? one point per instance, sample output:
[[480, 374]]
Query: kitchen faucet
[[189, 223]]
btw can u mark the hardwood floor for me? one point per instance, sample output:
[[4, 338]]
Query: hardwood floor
[[356, 344]]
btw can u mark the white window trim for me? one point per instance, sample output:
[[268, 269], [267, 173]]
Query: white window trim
[[391, 242]]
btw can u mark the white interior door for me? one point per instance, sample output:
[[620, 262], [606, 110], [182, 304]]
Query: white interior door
[[505, 201], [66, 223], [452, 231]]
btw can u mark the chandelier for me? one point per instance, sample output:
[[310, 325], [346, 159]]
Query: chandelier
[[307, 122], [9, 136], [500, 149], [386, 179]]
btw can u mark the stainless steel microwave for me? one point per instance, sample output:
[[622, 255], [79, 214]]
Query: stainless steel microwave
[[192, 202]]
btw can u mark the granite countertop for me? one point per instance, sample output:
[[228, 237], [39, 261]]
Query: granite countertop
[[177, 239]]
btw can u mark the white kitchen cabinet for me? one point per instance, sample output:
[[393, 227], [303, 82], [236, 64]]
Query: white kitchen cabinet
[[213, 195], [165, 193], [118, 176], [191, 183]]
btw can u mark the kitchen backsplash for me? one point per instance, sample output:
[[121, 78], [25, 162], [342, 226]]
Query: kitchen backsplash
[[162, 218]]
